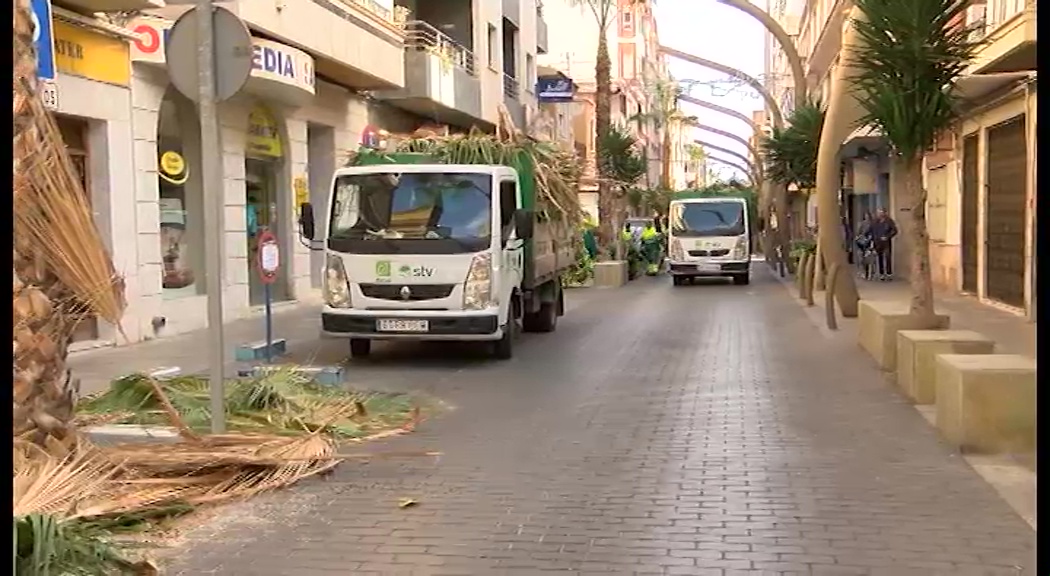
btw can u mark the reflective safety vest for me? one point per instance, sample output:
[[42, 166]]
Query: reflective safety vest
[[649, 233]]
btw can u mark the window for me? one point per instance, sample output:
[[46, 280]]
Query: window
[[508, 203], [530, 73], [493, 47]]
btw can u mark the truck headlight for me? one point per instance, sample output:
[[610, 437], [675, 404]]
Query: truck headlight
[[336, 284], [477, 289], [677, 253], [740, 250]]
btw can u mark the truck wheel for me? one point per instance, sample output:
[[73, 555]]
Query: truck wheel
[[360, 347], [504, 347], [678, 280], [742, 279], [543, 320]]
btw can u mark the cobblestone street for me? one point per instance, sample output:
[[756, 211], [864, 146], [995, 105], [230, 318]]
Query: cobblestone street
[[706, 429]]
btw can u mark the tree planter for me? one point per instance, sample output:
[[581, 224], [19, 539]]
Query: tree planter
[[917, 352], [880, 321], [610, 274], [986, 402]]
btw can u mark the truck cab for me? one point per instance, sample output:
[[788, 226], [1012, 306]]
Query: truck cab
[[424, 252], [709, 237]]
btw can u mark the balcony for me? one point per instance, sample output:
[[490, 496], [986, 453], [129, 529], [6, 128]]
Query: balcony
[[440, 78], [358, 43], [512, 12], [512, 100], [1008, 31]]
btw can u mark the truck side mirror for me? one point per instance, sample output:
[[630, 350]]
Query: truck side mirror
[[523, 223], [307, 227]]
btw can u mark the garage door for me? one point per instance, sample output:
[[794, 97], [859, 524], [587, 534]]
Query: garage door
[[1005, 208], [970, 207]]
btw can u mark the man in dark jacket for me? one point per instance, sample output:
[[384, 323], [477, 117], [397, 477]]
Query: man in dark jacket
[[882, 231]]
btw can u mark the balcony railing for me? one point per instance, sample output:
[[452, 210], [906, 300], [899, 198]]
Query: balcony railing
[[420, 35], [511, 87]]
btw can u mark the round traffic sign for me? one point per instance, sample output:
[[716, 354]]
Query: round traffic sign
[[269, 257], [233, 54]]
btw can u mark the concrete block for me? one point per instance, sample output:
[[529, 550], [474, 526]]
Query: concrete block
[[257, 350], [878, 323], [611, 274], [986, 402], [917, 352]]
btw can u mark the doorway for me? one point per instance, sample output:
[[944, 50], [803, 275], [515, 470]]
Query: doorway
[[74, 133], [320, 157], [261, 204]]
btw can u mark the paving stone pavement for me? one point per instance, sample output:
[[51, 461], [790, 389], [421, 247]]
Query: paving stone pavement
[[706, 429]]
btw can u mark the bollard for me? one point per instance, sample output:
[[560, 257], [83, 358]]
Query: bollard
[[811, 278], [829, 297]]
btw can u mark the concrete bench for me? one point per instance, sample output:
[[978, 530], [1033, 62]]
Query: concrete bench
[[253, 351], [917, 352], [986, 402], [879, 321]]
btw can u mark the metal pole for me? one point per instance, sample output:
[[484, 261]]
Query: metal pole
[[268, 295], [214, 199]]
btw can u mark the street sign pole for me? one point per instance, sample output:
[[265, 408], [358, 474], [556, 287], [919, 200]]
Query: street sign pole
[[214, 199], [268, 265]]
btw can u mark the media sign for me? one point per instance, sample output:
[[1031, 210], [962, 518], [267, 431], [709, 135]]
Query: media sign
[[554, 89]]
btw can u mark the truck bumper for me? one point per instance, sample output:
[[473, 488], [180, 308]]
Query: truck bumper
[[720, 268], [481, 325]]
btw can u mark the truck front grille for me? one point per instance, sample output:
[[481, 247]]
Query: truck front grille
[[699, 253], [407, 292]]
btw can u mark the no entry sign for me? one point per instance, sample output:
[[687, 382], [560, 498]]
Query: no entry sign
[[269, 255]]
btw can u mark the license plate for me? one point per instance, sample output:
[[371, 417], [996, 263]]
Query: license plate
[[402, 325], [709, 267]]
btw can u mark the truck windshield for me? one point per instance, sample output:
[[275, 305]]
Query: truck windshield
[[696, 219], [430, 213]]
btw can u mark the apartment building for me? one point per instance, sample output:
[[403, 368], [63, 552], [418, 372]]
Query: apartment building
[[980, 176], [326, 78], [633, 46]]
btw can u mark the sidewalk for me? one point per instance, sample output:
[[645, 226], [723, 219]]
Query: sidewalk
[[297, 323], [1013, 334]]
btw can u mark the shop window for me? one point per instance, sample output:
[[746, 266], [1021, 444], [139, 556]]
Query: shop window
[[181, 200]]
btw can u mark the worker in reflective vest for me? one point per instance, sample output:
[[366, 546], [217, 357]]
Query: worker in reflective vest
[[652, 249]]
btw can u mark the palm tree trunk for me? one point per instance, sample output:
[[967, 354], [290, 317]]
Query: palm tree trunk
[[607, 203], [841, 117], [918, 239], [665, 167], [783, 233]]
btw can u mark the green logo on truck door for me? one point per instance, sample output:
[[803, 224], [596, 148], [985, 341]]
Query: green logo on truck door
[[383, 269]]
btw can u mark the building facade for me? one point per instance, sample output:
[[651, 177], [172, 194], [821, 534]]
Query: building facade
[[326, 77], [980, 176]]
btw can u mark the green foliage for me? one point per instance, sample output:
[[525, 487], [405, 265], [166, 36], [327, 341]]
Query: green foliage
[[282, 402], [791, 152], [909, 56], [582, 271], [621, 158], [800, 247], [43, 546]]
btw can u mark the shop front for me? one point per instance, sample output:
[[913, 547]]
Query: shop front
[[87, 76], [264, 156]]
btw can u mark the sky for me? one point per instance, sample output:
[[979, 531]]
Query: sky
[[711, 30]]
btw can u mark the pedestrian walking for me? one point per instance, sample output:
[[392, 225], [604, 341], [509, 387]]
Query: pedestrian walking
[[882, 231]]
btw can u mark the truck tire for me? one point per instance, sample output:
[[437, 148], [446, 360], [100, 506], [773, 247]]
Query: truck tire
[[503, 349], [360, 347], [742, 279], [678, 280], [546, 318]]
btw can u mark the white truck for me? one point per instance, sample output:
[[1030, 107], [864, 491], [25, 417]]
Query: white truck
[[417, 250], [709, 236]]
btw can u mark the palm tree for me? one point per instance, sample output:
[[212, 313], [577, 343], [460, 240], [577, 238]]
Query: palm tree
[[908, 57], [62, 271], [663, 114], [791, 152], [603, 12], [621, 158]]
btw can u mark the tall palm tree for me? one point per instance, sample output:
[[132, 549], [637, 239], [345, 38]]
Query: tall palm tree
[[791, 152], [604, 12], [663, 115], [908, 57], [62, 271]]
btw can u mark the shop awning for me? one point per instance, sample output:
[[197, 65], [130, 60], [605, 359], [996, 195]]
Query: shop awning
[[977, 86]]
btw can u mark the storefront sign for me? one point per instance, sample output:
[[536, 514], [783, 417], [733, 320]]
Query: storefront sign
[[283, 64], [264, 138], [173, 167], [554, 89], [84, 53], [271, 61], [43, 39], [302, 191]]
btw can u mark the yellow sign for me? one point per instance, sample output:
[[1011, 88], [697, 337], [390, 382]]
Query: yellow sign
[[264, 139], [302, 193], [81, 52], [172, 163]]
